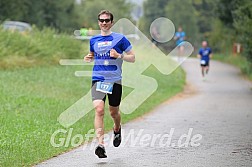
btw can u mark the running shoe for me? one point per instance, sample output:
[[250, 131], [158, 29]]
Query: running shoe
[[100, 151], [117, 138]]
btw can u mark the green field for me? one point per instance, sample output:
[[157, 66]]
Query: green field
[[33, 98]]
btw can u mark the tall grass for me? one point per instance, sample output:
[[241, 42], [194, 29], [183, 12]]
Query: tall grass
[[36, 47]]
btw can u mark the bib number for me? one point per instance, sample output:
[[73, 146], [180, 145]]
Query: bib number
[[104, 87], [203, 62]]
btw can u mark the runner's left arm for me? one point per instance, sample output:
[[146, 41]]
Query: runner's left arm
[[211, 54], [129, 56]]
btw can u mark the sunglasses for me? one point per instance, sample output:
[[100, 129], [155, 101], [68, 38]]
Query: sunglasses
[[106, 20]]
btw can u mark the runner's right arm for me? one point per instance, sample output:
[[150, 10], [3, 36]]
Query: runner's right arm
[[89, 57]]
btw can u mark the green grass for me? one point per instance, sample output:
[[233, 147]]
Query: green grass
[[33, 98], [237, 60], [37, 48]]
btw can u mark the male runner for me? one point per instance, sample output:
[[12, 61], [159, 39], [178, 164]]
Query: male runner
[[107, 50], [179, 37], [205, 53]]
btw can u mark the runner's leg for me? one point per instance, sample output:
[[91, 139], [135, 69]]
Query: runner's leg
[[99, 104], [115, 114], [98, 122], [207, 69], [203, 71], [114, 102]]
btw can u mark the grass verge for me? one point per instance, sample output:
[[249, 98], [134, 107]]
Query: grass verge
[[237, 60], [37, 48]]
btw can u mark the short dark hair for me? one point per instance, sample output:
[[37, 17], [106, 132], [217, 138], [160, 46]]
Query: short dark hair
[[107, 13]]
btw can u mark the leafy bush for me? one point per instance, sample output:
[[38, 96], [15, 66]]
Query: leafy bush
[[243, 24]]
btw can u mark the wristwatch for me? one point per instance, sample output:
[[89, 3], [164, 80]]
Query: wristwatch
[[121, 56]]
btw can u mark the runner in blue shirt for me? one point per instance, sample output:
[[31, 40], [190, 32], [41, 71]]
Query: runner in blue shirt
[[106, 50], [205, 53], [180, 36]]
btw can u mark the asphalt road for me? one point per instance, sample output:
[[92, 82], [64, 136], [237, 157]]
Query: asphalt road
[[209, 124]]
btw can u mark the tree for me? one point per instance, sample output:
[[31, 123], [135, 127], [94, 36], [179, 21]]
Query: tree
[[90, 8], [61, 16], [237, 14], [225, 9], [152, 11], [242, 21], [205, 14], [13, 10], [182, 13]]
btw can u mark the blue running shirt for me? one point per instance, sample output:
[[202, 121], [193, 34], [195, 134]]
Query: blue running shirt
[[205, 52], [180, 36], [107, 68]]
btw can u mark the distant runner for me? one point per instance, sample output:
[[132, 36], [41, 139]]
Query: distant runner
[[179, 37], [205, 53]]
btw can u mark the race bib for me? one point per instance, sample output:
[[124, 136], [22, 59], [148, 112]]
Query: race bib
[[105, 87], [203, 62]]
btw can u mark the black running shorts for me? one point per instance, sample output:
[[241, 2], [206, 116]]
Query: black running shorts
[[114, 98], [205, 65]]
